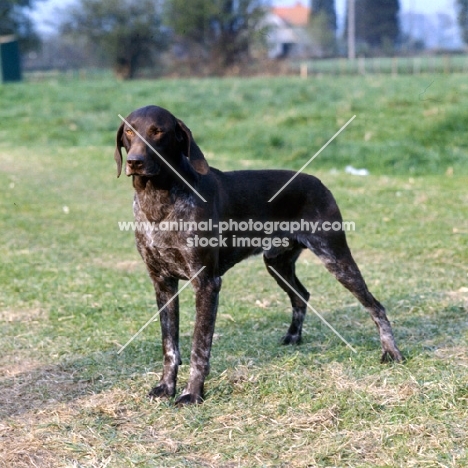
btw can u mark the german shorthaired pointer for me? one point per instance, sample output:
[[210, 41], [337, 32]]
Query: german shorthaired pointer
[[170, 177]]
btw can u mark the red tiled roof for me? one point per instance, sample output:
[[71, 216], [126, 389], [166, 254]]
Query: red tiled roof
[[297, 15]]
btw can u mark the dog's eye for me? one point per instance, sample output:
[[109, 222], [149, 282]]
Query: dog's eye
[[129, 132], [155, 131]]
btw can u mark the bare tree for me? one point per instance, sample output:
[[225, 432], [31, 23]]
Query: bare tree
[[15, 20], [323, 26], [223, 31], [376, 24], [463, 18], [127, 33]]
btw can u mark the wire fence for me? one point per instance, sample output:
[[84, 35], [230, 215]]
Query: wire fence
[[391, 66], [384, 65]]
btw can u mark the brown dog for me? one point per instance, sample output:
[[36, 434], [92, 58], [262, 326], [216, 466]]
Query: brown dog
[[170, 177]]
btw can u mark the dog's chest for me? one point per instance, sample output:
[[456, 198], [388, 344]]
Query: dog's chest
[[162, 237]]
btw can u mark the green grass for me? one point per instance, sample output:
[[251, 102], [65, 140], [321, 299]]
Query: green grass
[[73, 288], [405, 125]]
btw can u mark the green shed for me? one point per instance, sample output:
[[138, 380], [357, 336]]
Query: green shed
[[10, 60]]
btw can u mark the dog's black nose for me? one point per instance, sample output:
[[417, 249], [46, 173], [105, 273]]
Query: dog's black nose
[[135, 162]]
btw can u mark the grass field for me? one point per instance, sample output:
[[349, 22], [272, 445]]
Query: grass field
[[73, 288]]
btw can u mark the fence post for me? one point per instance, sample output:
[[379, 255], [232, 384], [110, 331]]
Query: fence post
[[376, 65], [394, 66], [362, 65], [446, 64], [342, 63], [304, 70]]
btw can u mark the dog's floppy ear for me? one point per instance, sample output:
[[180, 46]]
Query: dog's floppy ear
[[118, 149], [191, 149]]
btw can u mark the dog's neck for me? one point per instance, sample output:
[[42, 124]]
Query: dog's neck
[[152, 188], [156, 202]]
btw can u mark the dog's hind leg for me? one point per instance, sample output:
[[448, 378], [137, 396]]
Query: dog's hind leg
[[284, 265], [332, 249]]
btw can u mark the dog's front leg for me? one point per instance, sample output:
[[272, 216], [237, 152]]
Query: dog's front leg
[[206, 291], [166, 289]]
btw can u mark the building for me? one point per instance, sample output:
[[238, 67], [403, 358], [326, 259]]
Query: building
[[287, 31]]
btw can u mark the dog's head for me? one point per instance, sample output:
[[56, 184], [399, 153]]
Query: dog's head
[[156, 141]]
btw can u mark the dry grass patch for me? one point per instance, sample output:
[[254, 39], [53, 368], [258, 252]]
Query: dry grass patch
[[459, 296], [284, 414], [456, 355], [30, 410], [28, 385], [129, 266], [22, 315], [383, 386]]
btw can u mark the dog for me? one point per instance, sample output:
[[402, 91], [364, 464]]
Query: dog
[[173, 183]]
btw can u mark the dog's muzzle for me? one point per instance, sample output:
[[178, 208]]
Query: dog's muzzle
[[137, 165]]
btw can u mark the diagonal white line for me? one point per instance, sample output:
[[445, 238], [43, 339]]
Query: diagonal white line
[[157, 153], [312, 158], [160, 310], [313, 310]]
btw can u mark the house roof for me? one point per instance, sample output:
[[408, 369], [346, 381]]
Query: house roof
[[297, 15]]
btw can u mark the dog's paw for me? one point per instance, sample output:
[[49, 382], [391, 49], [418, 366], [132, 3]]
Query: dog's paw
[[391, 356], [189, 399], [161, 391], [289, 339]]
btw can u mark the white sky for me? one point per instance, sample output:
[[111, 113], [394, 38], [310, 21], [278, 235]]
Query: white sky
[[45, 9]]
